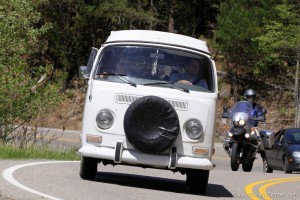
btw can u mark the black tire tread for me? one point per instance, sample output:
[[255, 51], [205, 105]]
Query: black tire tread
[[88, 168]]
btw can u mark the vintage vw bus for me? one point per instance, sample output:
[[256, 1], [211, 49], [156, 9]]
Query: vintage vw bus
[[136, 114]]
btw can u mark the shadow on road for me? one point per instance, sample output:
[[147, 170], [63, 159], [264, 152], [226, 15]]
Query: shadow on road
[[156, 183]]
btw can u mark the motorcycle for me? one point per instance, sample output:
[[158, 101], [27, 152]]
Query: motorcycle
[[243, 139]]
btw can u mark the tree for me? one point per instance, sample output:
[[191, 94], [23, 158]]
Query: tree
[[280, 43], [237, 25], [171, 16], [26, 90], [77, 25]]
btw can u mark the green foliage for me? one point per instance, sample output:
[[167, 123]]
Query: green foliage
[[260, 36], [78, 25], [280, 40], [34, 152], [25, 90], [18, 36], [237, 25]]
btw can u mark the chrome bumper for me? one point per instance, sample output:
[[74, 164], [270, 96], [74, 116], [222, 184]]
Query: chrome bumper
[[137, 158]]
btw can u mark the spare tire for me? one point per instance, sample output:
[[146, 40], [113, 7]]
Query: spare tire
[[151, 124]]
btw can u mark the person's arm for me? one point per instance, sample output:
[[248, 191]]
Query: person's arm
[[260, 113], [174, 77]]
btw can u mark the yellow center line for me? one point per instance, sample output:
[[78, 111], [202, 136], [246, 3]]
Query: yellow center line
[[262, 189], [262, 193]]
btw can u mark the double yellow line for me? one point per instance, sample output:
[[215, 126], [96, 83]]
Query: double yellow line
[[262, 194]]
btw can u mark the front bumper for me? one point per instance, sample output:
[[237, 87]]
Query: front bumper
[[138, 158]]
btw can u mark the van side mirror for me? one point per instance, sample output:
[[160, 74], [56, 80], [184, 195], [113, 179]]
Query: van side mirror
[[83, 72]]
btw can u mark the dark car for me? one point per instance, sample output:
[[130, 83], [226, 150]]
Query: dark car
[[284, 154]]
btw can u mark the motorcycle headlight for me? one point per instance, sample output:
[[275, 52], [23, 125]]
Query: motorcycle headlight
[[104, 119], [240, 118], [193, 129], [240, 123], [296, 154]]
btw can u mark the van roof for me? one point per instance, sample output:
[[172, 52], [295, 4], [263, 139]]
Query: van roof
[[159, 37]]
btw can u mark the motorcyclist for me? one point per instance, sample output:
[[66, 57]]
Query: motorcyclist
[[250, 95], [258, 112]]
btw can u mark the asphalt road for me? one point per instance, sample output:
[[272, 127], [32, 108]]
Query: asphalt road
[[43, 179]]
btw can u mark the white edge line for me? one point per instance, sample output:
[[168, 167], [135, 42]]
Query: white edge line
[[8, 175]]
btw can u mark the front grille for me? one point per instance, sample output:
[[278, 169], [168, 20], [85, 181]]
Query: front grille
[[128, 99], [124, 98]]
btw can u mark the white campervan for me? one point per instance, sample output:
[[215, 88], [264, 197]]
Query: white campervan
[[142, 109]]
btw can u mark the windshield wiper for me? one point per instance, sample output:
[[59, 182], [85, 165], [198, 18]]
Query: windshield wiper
[[110, 74], [119, 76], [157, 83], [170, 85]]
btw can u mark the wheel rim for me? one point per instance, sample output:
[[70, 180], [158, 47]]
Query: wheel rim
[[265, 166]]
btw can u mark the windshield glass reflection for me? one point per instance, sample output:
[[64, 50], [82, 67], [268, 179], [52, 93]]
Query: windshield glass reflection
[[155, 67]]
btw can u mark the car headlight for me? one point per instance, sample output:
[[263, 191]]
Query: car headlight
[[104, 119], [193, 129], [296, 154]]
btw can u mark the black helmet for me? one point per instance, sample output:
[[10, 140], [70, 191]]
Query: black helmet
[[250, 95]]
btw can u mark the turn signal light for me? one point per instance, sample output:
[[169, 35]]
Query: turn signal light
[[93, 138], [200, 151]]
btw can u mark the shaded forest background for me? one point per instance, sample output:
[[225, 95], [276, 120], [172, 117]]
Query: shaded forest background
[[255, 43]]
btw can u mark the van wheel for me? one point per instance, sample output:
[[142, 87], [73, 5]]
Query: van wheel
[[88, 168], [151, 124], [197, 180]]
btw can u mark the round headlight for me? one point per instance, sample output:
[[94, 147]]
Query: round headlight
[[193, 129], [240, 118], [242, 122], [104, 119]]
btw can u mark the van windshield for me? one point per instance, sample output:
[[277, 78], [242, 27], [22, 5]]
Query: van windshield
[[155, 66]]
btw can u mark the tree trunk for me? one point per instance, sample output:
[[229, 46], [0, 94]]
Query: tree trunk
[[171, 16], [297, 92]]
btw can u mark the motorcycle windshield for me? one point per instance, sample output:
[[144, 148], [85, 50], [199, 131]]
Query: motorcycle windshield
[[246, 107]]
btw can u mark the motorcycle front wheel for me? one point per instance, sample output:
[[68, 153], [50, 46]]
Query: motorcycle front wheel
[[234, 155], [247, 167]]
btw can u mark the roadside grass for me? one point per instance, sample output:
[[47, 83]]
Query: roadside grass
[[36, 152]]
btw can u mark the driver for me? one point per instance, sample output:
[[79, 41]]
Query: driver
[[190, 75]]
